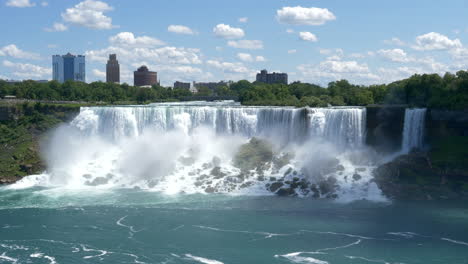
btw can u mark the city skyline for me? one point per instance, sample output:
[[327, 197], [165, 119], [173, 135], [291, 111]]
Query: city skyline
[[314, 42]]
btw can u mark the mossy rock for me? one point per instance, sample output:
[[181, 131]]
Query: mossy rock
[[254, 155]]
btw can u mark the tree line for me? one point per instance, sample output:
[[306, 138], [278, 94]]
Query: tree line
[[427, 90]]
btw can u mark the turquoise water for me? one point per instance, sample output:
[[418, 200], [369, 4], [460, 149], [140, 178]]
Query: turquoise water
[[130, 226]]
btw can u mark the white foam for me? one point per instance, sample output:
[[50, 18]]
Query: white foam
[[203, 260], [455, 241], [297, 258]]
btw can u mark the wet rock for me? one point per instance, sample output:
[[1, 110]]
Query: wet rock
[[286, 192], [246, 184], [217, 173], [340, 168], [97, 181], [261, 178], [28, 168], [361, 169], [254, 155], [210, 190], [272, 179], [357, 177], [275, 186], [295, 179], [328, 186], [286, 173]]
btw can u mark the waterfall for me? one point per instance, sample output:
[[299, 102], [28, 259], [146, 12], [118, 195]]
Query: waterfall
[[342, 126], [193, 147], [413, 130]]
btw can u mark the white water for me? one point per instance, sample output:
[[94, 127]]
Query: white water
[[174, 148], [413, 131]]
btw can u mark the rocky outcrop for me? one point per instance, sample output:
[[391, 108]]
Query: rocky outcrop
[[412, 177]]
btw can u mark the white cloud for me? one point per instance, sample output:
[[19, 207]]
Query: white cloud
[[179, 29], [228, 32], [304, 16], [13, 51], [57, 27], [44, 3], [246, 44], [394, 41], [99, 74], [307, 36], [357, 55], [395, 55], [243, 19], [52, 46], [228, 67], [436, 41], [292, 51], [332, 70], [26, 70], [459, 53], [260, 59], [128, 39], [290, 31], [20, 3], [246, 57], [90, 14]]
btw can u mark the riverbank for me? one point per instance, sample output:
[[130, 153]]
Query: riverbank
[[22, 129]]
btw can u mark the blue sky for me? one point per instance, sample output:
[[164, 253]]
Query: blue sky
[[318, 41]]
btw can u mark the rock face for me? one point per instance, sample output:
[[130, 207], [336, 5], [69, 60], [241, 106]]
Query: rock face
[[411, 177], [385, 127]]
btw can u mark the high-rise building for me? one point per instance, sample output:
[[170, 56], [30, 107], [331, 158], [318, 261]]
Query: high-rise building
[[144, 77], [113, 69], [182, 85], [272, 78], [68, 68]]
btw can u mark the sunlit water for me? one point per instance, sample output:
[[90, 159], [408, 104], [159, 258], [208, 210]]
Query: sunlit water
[[131, 226]]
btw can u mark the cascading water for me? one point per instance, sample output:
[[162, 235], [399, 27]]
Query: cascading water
[[192, 147], [413, 130]]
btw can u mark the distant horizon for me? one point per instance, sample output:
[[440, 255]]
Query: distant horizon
[[313, 42]]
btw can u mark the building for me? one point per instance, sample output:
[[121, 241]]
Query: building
[[211, 85], [68, 68], [271, 78], [145, 78], [182, 85], [113, 69]]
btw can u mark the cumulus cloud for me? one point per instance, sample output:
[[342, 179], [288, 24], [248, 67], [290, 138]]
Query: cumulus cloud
[[307, 36], [228, 32], [332, 70], [90, 14], [26, 70], [459, 53], [246, 57], [20, 3], [304, 16], [15, 52], [243, 19], [394, 41], [179, 29], [57, 27], [436, 41], [99, 74], [128, 39], [246, 44], [395, 55], [228, 67], [44, 3]]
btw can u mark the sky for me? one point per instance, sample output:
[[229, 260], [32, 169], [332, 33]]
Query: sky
[[316, 41]]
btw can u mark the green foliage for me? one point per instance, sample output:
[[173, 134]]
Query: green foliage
[[427, 90], [450, 153]]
